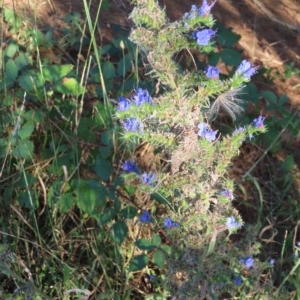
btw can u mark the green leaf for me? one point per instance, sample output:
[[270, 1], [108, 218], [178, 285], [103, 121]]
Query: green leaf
[[159, 259], [11, 50], [105, 152], [119, 231], [282, 100], [56, 72], [159, 198], [227, 38], [167, 249], [145, 245], [269, 96], [124, 65], [3, 147], [23, 60], [24, 149], [34, 116], [11, 70], [213, 58], [138, 263], [156, 240], [25, 200], [288, 164], [108, 70], [104, 49], [8, 100], [128, 212], [86, 200], [25, 131], [66, 202], [231, 57], [69, 86], [30, 81], [103, 168], [130, 189]]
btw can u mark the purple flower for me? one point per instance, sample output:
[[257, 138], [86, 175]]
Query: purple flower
[[152, 278], [133, 125], [259, 122], [206, 133], [247, 261], [238, 280], [148, 178], [212, 72], [203, 36], [169, 223], [123, 104], [246, 69], [226, 193], [130, 166], [298, 244], [239, 130], [145, 217], [272, 262], [141, 97], [204, 10], [232, 223]]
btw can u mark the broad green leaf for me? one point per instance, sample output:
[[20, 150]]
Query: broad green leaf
[[34, 116], [145, 245], [56, 72], [66, 202], [269, 96], [8, 100], [138, 263], [288, 164], [69, 86], [26, 201], [156, 240], [3, 147], [119, 231], [105, 152], [25, 131], [86, 200], [108, 70], [128, 212], [159, 259], [11, 71], [159, 198], [282, 100], [23, 60], [24, 149], [124, 65], [103, 168], [104, 49], [231, 57], [11, 50], [130, 189], [30, 81], [227, 38], [167, 249]]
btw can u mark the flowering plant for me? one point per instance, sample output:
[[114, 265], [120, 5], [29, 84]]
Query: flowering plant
[[177, 118]]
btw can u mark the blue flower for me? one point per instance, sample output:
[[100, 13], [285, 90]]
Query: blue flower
[[141, 97], [238, 280], [133, 125], [130, 166], [123, 104], [212, 72], [194, 7], [169, 223], [145, 217], [152, 278], [298, 244], [232, 223], [239, 130], [272, 262], [206, 133], [203, 36], [204, 10], [247, 261], [246, 69], [148, 178], [259, 122], [226, 193]]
